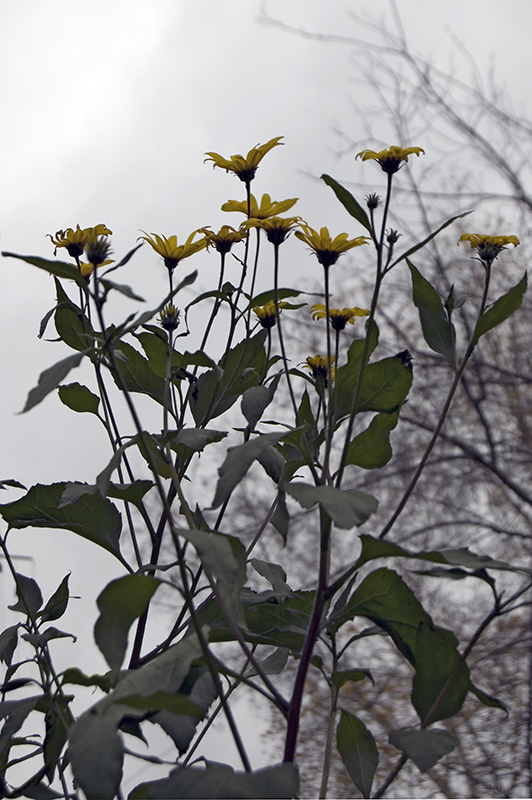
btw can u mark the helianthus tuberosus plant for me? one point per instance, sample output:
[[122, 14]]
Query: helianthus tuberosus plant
[[343, 405]]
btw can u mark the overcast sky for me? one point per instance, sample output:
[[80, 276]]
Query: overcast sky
[[107, 108]]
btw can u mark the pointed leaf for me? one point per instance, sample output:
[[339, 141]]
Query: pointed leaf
[[431, 236], [346, 508], [122, 288], [79, 398], [435, 324], [274, 574], [224, 555], [120, 603], [424, 747], [339, 678], [237, 462], [96, 756], [371, 448], [57, 604], [503, 308], [348, 202], [51, 378], [359, 752], [29, 596], [8, 644], [58, 268], [487, 699], [385, 385]]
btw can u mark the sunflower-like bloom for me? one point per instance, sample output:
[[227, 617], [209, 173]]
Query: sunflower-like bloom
[[319, 366], [169, 317], [339, 319], [328, 250], [488, 247], [246, 167], [267, 315], [170, 251], [277, 229], [267, 208], [391, 160], [87, 269], [226, 237], [76, 241]]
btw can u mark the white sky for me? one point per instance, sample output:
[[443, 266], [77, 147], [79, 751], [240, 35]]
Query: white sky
[[107, 108]]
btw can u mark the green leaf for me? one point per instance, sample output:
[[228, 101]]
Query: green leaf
[[348, 201], [77, 677], [96, 756], [8, 644], [274, 574], [346, 508], [195, 439], [120, 604], [58, 268], [122, 288], [437, 328], [221, 781], [281, 518], [503, 308], [176, 703], [339, 678], [424, 747], [29, 596], [79, 398], [266, 297], [272, 664], [137, 374], [371, 448], [237, 462], [182, 727], [431, 236], [385, 385], [72, 325], [256, 400], [91, 516], [487, 699], [43, 637], [51, 378], [10, 482], [15, 712], [57, 604], [359, 752], [346, 377], [224, 556]]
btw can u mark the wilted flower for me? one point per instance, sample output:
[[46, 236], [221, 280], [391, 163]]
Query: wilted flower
[[98, 251], [226, 237], [390, 160], [488, 247], [339, 319], [170, 251], [267, 208], [319, 366], [328, 250], [267, 314], [277, 228], [373, 200], [77, 240], [169, 317], [246, 167]]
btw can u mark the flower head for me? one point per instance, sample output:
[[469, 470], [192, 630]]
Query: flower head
[[267, 314], [170, 251], [339, 319], [246, 167], [328, 250], [488, 247], [267, 208], [226, 237], [320, 368], [98, 250], [391, 160], [169, 317], [277, 229], [76, 241]]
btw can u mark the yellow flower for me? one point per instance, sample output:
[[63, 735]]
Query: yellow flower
[[87, 269], [267, 314], [319, 365], [246, 167], [267, 208], [339, 319], [169, 317], [328, 250], [226, 237], [391, 160], [77, 240], [170, 251], [488, 247], [277, 228]]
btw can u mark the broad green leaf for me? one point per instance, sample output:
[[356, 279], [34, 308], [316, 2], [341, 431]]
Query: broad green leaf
[[43, 637], [371, 448], [223, 555], [15, 713], [501, 309], [424, 747], [359, 752], [437, 328], [29, 596], [91, 516], [385, 386], [431, 236], [8, 644], [52, 377], [274, 574], [120, 604], [272, 664], [175, 702], [339, 678], [154, 344], [346, 508], [75, 676], [195, 439], [72, 325], [266, 297], [346, 377], [79, 398], [60, 269], [256, 400], [130, 492], [348, 201], [96, 756], [273, 462], [57, 604], [137, 374], [182, 727], [221, 781], [237, 462]]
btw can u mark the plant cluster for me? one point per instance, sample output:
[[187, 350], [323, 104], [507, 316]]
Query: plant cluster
[[339, 418]]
